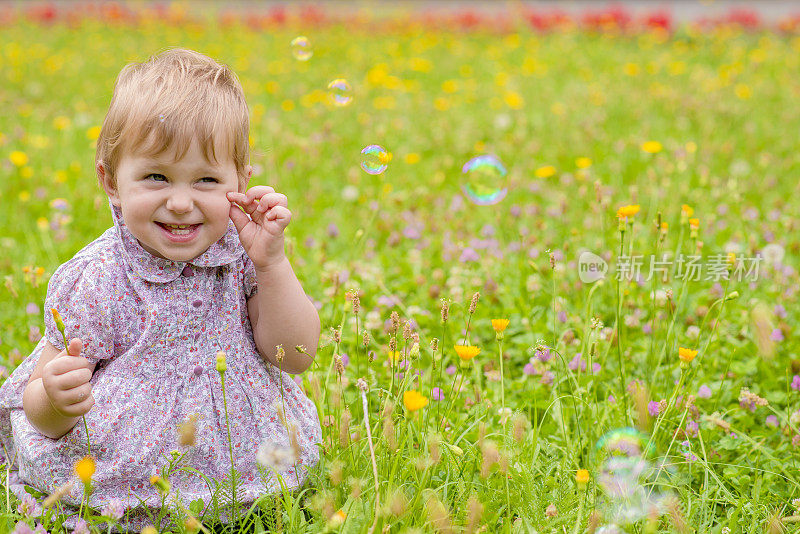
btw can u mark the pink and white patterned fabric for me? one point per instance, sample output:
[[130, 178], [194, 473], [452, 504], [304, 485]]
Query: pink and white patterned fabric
[[154, 326]]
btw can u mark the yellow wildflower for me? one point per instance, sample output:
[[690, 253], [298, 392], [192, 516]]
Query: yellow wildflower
[[18, 158], [499, 324], [582, 477], [337, 518], [466, 352], [414, 400], [694, 223], [93, 133], [652, 147], [628, 211], [514, 100], [686, 356], [59, 321], [84, 468], [160, 484], [61, 122], [545, 172], [583, 163], [221, 363]]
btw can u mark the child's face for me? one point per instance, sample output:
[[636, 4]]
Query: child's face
[[156, 195]]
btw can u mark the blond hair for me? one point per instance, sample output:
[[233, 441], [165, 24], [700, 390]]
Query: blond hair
[[170, 99]]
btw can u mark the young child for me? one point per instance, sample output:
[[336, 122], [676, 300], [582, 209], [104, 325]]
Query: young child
[[193, 265]]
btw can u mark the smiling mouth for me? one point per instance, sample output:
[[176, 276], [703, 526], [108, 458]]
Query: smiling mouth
[[178, 229]]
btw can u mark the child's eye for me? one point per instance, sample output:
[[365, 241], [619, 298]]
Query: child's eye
[[156, 177], [210, 180]]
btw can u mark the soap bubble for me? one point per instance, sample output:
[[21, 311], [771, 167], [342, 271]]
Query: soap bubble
[[301, 48], [483, 180], [628, 478], [375, 159], [341, 93]]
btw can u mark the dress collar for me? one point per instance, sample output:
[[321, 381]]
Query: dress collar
[[154, 269]]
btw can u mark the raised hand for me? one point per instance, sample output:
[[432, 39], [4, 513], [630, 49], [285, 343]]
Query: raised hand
[[261, 233]]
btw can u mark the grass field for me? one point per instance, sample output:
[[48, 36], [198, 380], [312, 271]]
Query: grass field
[[695, 126]]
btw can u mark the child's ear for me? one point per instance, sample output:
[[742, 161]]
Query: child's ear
[[107, 183], [243, 183]]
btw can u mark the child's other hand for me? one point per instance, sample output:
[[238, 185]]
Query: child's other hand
[[261, 233], [66, 381]]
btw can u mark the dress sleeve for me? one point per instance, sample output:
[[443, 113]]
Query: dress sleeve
[[250, 279], [82, 292], [11, 399]]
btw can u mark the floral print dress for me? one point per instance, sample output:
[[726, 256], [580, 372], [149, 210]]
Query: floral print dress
[[153, 327]]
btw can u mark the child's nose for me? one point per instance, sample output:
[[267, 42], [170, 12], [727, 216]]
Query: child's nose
[[180, 201]]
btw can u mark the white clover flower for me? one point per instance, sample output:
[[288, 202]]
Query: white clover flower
[[693, 332], [114, 509]]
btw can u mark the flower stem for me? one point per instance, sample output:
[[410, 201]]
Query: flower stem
[[454, 393], [505, 421], [230, 448], [623, 401]]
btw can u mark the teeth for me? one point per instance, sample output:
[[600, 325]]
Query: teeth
[[178, 229]]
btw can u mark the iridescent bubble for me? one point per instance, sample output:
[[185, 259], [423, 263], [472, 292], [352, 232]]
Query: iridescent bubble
[[161, 118], [301, 48], [340, 92], [375, 159], [628, 479], [622, 442], [484, 177]]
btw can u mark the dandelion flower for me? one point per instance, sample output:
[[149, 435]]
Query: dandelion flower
[[59, 321], [545, 172], [160, 484], [628, 211], [84, 468], [686, 356], [466, 352], [499, 325], [582, 477], [652, 147], [221, 364], [414, 400], [18, 158], [694, 223]]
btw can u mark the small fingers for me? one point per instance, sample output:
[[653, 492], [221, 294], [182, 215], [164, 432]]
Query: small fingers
[[271, 200], [78, 395], [279, 214], [258, 192], [73, 402], [74, 347]]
